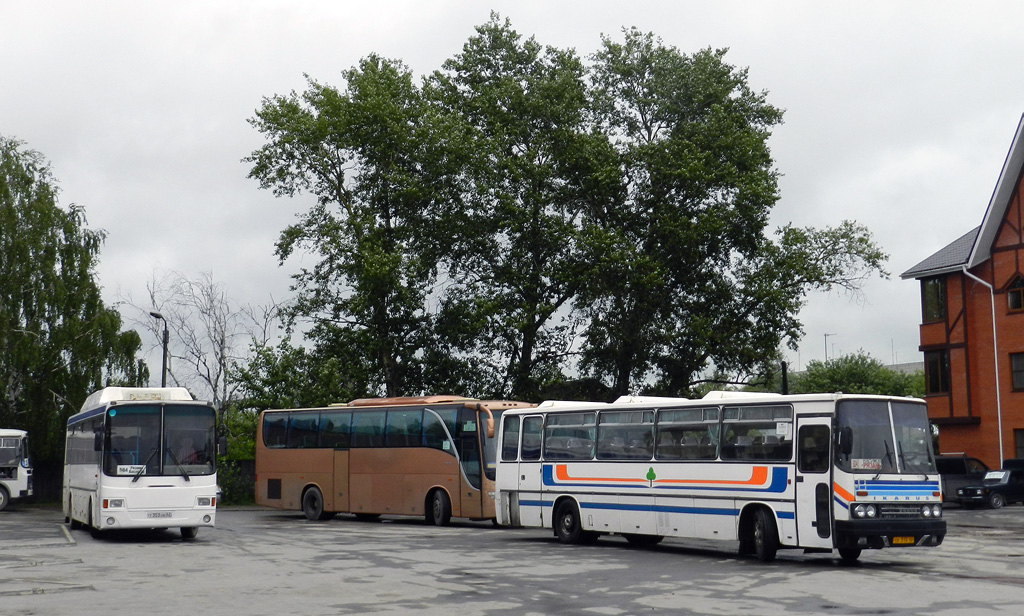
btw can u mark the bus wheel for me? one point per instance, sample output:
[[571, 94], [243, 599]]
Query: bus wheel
[[568, 527], [439, 513], [367, 517], [189, 532], [849, 555], [766, 536], [313, 505], [642, 540], [5, 498]]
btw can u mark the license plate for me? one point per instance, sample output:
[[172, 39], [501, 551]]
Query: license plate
[[903, 541], [159, 514]]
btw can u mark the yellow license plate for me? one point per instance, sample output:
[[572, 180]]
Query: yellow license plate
[[903, 541]]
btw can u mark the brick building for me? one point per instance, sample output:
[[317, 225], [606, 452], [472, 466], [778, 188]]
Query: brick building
[[972, 327]]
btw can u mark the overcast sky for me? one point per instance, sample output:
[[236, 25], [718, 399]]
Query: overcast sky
[[898, 115]]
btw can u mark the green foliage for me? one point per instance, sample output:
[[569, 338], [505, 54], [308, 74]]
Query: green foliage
[[852, 374], [525, 220], [367, 154], [516, 257], [58, 341], [293, 377], [238, 486]]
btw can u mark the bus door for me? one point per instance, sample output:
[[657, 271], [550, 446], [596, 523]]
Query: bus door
[[468, 445], [813, 482], [531, 507]]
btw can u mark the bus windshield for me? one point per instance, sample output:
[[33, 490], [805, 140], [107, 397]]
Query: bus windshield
[[876, 439], [160, 440]]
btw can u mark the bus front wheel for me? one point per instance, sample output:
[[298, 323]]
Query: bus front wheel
[[189, 532], [439, 511], [5, 498], [569, 527], [313, 505], [849, 555], [766, 536]]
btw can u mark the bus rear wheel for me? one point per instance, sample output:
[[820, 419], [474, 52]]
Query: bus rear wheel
[[766, 536], [313, 505], [439, 511], [569, 527], [189, 532], [5, 498]]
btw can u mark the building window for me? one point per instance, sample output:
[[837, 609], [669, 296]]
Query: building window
[[933, 299], [1015, 295], [936, 372], [1017, 370]]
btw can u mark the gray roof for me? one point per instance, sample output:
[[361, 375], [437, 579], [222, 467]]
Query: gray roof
[[975, 247], [951, 258]]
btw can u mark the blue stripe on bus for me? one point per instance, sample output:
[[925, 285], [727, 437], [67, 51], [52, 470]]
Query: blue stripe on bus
[[784, 515], [896, 485]]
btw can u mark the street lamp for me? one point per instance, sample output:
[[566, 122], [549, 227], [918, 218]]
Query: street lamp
[[826, 345], [163, 375]]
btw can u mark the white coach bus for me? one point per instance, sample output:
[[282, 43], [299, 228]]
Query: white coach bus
[[140, 457], [820, 472], [15, 467]]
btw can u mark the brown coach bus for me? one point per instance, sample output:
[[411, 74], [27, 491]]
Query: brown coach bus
[[431, 456]]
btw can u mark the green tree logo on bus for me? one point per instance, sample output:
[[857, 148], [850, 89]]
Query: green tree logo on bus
[[651, 476]]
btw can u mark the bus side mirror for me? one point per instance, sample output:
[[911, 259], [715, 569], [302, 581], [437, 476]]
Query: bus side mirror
[[846, 440], [222, 446], [490, 427]]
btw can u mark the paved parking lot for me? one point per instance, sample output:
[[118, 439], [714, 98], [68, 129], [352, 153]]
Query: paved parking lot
[[260, 561]]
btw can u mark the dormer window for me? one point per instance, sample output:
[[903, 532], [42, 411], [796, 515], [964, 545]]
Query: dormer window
[[1015, 295]]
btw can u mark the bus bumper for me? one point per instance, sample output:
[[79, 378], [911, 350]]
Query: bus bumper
[[112, 520], [877, 534]]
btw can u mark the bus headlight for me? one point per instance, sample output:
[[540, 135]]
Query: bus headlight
[[113, 503], [862, 511], [932, 511], [204, 501]]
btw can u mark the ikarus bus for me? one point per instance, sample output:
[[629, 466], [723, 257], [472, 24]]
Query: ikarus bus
[[141, 458], [818, 472], [15, 467]]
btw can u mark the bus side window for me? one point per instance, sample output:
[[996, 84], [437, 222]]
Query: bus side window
[[813, 456], [434, 434], [368, 428], [510, 439], [532, 427], [334, 429], [275, 430]]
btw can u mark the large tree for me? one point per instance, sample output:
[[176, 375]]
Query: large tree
[[525, 218], [518, 259], [371, 156], [58, 341], [689, 282]]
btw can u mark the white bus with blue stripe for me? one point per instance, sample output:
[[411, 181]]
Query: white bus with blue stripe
[[818, 472]]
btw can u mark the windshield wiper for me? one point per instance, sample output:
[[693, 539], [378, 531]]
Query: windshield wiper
[[142, 470], [184, 473], [888, 456]]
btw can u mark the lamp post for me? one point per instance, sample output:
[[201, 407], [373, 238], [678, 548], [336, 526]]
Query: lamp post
[[826, 345], [163, 374]]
